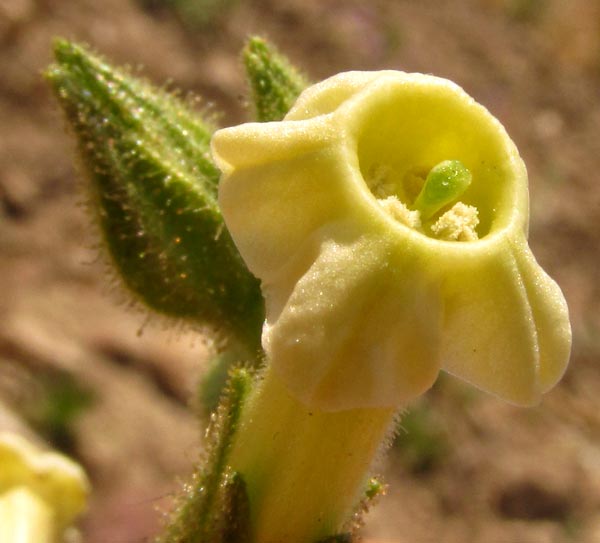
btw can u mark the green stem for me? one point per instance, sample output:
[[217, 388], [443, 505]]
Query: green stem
[[305, 470]]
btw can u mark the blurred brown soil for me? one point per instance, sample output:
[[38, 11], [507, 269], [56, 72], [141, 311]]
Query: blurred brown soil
[[505, 475]]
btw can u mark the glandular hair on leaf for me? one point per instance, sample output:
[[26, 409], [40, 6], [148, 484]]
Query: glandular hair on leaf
[[152, 187]]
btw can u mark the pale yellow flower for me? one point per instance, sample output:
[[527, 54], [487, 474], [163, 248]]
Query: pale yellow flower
[[366, 300], [41, 493]]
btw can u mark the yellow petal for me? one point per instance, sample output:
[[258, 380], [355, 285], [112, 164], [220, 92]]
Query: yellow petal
[[505, 323], [327, 96], [54, 478], [360, 329], [550, 317]]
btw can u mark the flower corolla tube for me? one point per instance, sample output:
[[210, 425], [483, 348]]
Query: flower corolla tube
[[386, 216]]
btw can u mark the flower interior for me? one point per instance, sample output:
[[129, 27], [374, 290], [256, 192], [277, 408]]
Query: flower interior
[[434, 164]]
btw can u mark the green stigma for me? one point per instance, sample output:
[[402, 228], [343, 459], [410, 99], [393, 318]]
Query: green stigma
[[445, 182]]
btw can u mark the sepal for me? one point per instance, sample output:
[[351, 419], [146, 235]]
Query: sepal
[[274, 82]]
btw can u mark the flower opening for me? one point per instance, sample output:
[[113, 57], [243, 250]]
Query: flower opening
[[374, 281]]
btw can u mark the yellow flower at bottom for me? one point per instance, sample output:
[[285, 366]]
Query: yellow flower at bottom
[[41, 493], [367, 299]]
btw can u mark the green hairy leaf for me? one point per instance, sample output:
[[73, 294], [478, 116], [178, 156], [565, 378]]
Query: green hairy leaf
[[274, 82], [154, 190], [214, 508]]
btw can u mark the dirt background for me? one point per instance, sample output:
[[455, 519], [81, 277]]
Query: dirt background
[[83, 370]]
